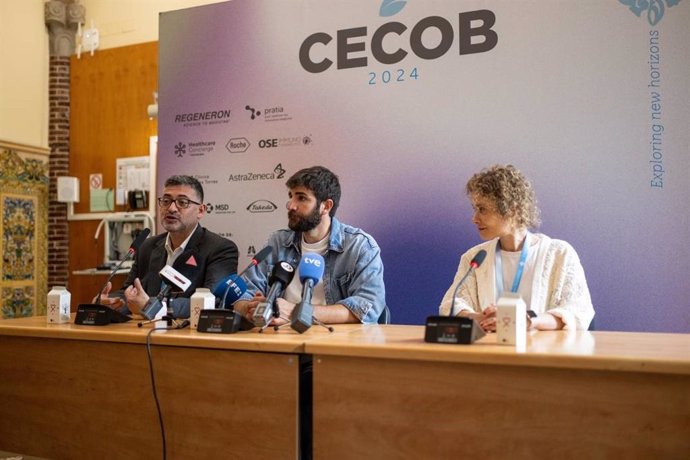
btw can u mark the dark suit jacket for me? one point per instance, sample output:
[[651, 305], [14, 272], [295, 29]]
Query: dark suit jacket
[[217, 258]]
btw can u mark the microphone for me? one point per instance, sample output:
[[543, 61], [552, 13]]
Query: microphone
[[179, 275], [455, 329], [311, 269], [133, 248], [282, 274], [231, 288], [474, 264]]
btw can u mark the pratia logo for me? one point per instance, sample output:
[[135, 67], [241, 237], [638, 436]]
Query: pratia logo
[[254, 112], [391, 7], [180, 149], [261, 206], [251, 251], [655, 8], [472, 31]]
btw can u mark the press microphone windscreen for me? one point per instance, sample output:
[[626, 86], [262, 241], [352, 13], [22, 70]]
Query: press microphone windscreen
[[478, 259], [141, 237], [311, 267], [235, 287], [261, 255], [283, 272]]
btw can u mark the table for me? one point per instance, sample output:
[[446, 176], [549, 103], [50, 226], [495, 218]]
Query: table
[[381, 392], [73, 392]]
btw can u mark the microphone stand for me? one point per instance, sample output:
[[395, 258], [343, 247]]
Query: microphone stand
[[314, 320], [169, 316]]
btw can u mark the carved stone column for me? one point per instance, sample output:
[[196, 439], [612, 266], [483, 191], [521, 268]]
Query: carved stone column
[[62, 18]]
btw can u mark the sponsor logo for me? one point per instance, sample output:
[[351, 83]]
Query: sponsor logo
[[251, 251], [219, 208], [180, 149], [200, 148], [260, 206], [277, 173], [205, 179], [288, 141], [655, 9], [276, 113], [210, 117], [268, 143], [253, 112], [472, 31], [237, 145], [225, 234]]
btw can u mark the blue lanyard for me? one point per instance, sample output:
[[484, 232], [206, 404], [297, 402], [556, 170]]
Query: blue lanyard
[[520, 268]]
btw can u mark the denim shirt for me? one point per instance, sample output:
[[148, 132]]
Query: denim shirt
[[353, 275]]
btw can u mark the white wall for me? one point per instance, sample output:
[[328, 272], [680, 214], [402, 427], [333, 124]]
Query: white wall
[[24, 73], [127, 22], [24, 54]]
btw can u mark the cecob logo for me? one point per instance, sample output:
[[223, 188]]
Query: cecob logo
[[352, 43]]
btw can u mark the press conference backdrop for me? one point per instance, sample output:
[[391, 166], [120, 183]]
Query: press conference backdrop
[[405, 100]]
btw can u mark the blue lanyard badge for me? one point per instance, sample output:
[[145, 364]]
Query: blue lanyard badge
[[518, 273]]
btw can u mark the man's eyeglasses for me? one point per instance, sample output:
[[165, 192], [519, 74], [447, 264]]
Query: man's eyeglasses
[[181, 203]]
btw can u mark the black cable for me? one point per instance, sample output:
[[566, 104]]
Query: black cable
[[182, 325]]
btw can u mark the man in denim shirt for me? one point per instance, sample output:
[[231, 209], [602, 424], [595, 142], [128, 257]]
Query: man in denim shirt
[[352, 288]]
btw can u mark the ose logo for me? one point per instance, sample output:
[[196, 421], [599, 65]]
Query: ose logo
[[268, 143]]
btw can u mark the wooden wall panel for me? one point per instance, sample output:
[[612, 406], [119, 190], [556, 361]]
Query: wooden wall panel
[[110, 92]]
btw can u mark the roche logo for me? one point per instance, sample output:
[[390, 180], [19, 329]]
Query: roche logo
[[261, 206], [391, 7], [655, 8], [180, 149], [237, 145], [253, 112], [279, 171]]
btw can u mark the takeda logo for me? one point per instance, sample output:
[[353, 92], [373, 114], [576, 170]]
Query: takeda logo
[[472, 29], [261, 206]]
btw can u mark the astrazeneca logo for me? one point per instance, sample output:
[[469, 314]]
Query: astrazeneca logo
[[260, 206], [472, 30], [279, 171], [180, 149]]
